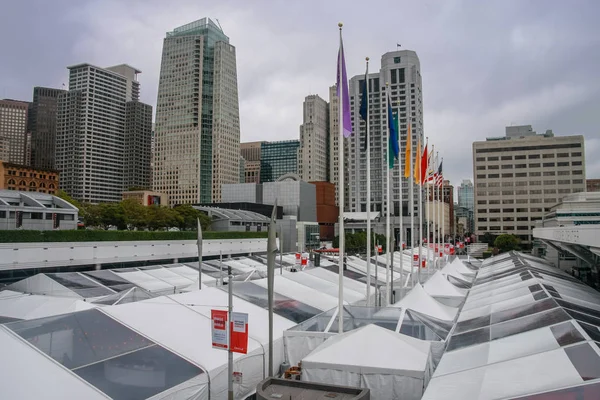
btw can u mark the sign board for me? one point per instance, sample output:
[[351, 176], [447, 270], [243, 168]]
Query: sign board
[[239, 332], [416, 260], [304, 261], [298, 256], [237, 378], [219, 329]]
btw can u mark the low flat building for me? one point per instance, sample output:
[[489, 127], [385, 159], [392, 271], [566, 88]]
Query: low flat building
[[327, 212], [35, 211], [28, 179], [147, 197], [592, 185], [229, 220]]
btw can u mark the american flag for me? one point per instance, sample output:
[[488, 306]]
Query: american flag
[[439, 176]]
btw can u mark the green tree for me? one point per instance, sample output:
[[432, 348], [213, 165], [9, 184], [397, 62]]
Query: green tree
[[506, 242], [66, 197], [189, 217], [134, 214], [357, 242], [111, 214], [489, 239], [160, 218]]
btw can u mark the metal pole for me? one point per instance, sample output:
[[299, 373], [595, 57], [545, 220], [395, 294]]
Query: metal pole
[[199, 255], [221, 265], [271, 248], [281, 251], [229, 352], [341, 187], [368, 190]]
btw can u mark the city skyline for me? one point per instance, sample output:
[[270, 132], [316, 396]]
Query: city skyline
[[471, 92]]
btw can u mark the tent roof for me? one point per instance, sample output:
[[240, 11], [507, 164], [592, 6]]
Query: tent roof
[[26, 306], [324, 286], [31, 375], [419, 300], [297, 291], [372, 349], [438, 285]]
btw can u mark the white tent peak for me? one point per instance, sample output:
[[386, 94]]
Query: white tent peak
[[421, 301], [438, 285]]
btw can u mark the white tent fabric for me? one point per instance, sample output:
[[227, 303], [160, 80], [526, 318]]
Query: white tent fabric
[[32, 375], [26, 306], [188, 334], [442, 290], [419, 300], [324, 286], [361, 266], [43, 285], [332, 277], [391, 365], [306, 295], [452, 269], [458, 266]]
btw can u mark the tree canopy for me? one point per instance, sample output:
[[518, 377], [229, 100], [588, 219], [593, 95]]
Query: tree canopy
[[506, 242]]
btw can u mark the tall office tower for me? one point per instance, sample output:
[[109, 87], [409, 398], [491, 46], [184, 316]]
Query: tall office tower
[[250, 151], [98, 119], [520, 176], [465, 194], [13, 129], [334, 139], [314, 140], [401, 69], [197, 115], [41, 122], [278, 159], [138, 145]]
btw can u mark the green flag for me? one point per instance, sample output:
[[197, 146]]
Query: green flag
[[393, 139]]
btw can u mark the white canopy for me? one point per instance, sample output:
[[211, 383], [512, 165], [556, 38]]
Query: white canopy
[[297, 291], [441, 289], [419, 300], [392, 365], [332, 277], [324, 286], [49, 381], [26, 306]]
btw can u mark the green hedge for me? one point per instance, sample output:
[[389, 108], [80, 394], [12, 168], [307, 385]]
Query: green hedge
[[22, 236], [487, 254]]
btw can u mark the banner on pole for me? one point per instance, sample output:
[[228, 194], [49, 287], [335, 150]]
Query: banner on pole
[[416, 260], [239, 332], [219, 329], [298, 258]]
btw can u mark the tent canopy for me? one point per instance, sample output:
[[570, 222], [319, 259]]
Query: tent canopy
[[419, 300], [438, 285]]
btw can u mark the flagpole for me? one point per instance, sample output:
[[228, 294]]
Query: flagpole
[[341, 187], [387, 215], [435, 213], [428, 208], [412, 209], [443, 216], [421, 211], [401, 211], [368, 148]]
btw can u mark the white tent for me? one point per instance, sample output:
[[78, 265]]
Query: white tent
[[28, 306], [324, 286], [444, 291], [391, 365], [332, 277], [458, 269], [296, 291], [419, 300]]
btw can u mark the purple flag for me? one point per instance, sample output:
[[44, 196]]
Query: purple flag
[[346, 119]]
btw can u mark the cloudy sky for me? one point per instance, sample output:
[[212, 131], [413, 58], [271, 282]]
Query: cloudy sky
[[485, 65]]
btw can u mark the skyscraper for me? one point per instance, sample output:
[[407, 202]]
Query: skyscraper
[[277, 159], [520, 176], [401, 69], [13, 129], [465, 194], [313, 154], [250, 152], [41, 122], [101, 131], [197, 143]]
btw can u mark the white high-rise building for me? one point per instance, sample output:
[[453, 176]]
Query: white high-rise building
[[402, 70], [314, 137], [197, 131], [102, 133]]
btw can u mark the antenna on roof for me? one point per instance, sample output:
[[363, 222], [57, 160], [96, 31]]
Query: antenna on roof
[[220, 27]]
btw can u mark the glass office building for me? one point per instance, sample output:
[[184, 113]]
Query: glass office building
[[277, 159]]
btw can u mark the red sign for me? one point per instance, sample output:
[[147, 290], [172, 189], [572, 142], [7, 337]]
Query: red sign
[[423, 265], [416, 260], [239, 332], [219, 329], [304, 261], [298, 256]]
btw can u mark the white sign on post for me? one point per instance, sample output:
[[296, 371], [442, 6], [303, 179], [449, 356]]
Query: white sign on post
[[220, 337]]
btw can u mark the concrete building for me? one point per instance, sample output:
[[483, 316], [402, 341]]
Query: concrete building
[[313, 153], [592, 185], [35, 211], [277, 159], [27, 179], [250, 151], [41, 123], [4, 148], [197, 115], [518, 178], [327, 211], [103, 133], [233, 220], [401, 69], [13, 129], [334, 138], [466, 194], [147, 197]]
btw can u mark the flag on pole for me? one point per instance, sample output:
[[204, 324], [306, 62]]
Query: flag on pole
[[344, 98], [393, 149], [417, 169], [439, 176], [424, 164], [407, 157], [364, 105]]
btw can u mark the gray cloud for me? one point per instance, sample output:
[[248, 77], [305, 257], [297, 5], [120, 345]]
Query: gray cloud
[[485, 65]]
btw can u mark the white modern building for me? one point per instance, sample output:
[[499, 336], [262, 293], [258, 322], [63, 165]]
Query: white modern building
[[103, 133], [35, 211], [197, 142], [520, 176], [314, 137]]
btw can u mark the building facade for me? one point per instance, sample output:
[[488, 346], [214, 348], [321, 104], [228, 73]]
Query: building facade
[[313, 153], [35, 211], [197, 115], [592, 185], [401, 69], [465, 194], [41, 123], [101, 131], [277, 159], [327, 212], [147, 197], [24, 178], [13, 129], [250, 152], [520, 176]]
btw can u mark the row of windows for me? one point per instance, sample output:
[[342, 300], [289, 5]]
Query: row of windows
[[530, 156], [532, 165], [530, 148]]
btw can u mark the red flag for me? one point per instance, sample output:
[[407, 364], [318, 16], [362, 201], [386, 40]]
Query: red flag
[[424, 165]]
